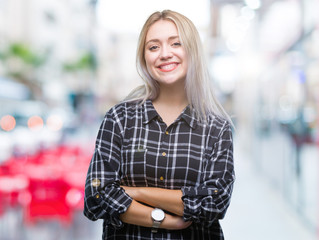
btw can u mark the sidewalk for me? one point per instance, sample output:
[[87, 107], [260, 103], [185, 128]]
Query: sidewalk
[[257, 211]]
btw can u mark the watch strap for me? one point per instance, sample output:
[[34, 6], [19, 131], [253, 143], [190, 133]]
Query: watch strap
[[155, 226]]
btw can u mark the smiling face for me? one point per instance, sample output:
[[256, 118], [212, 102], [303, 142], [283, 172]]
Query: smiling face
[[165, 57]]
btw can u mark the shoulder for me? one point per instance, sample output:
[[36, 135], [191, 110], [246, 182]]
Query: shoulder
[[218, 125], [125, 109], [119, 115]]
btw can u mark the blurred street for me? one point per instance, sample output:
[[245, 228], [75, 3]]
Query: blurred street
[[258, 210]]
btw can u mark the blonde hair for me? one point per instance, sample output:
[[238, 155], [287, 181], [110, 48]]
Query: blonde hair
[[198, 89]]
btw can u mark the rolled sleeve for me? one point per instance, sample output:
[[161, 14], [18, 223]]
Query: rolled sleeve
[[107, 204], [209, 201], [104, 198]]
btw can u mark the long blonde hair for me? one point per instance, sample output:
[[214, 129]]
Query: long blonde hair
[[198, 88]]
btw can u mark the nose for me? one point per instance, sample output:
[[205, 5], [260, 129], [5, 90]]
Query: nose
[[166, 52]]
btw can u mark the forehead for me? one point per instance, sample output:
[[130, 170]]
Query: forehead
[[161, 29]]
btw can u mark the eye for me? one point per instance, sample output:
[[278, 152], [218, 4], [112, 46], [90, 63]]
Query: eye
[[152, 48], [177, 44]]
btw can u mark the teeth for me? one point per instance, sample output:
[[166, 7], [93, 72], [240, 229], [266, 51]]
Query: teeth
[[168, 67]]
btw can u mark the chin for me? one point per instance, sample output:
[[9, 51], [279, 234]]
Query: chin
[[171, 81]]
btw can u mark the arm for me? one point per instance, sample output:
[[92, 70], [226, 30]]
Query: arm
[[166, 199], [104, 198], [209, 201], [139, 214]]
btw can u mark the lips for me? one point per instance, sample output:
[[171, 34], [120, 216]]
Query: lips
[[167, 67]]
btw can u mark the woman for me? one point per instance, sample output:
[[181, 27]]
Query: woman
[[163, 163]]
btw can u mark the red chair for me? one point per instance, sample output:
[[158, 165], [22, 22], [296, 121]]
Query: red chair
[[55, 188], [11, 188], [48, 201]]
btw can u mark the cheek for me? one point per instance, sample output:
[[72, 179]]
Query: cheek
[[185, 60], [186, 65], [183, 56], [148, 65], [149, 58], [149, 61]]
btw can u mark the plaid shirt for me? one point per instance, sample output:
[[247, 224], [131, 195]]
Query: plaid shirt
[[134, 147]]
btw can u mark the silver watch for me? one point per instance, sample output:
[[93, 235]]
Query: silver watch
[[158, 216]]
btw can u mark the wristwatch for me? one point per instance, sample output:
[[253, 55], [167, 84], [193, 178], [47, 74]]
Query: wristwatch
[[158, 216]]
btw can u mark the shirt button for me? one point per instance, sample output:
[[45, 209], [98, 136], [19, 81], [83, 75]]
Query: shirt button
[[96, 182], [166, 132], [97, 196], [161, 178], [164, 154]]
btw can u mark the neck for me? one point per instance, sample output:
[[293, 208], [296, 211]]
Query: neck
[[170, 103], [172, 96]]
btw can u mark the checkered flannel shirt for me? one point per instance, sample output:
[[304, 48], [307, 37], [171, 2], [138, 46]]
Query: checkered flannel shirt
[[134, 147]]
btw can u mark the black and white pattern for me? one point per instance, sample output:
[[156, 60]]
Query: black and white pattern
[[134, 147]]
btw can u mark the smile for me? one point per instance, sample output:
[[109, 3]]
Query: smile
[[168, 67]]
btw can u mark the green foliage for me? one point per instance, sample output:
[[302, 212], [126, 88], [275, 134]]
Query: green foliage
[[85, 62], [23, 52]]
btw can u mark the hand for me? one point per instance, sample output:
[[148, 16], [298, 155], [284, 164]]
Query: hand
[[166, 199], [174, 223]]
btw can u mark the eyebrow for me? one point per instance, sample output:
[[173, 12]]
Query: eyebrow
[[157, 40]]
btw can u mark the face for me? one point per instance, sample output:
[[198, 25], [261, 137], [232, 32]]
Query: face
[[165, 57]]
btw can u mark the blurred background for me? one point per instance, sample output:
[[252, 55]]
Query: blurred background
[[64, 63]]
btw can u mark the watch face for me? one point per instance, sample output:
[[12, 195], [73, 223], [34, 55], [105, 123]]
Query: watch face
[[158, 214]]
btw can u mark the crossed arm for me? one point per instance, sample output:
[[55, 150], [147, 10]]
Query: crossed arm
[[168, 200]]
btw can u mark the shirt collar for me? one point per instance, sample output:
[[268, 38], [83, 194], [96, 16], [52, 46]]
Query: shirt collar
[[188, 115], [149, 112]]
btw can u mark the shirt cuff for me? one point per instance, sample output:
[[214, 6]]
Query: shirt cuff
[[113, 201], [194, 198]]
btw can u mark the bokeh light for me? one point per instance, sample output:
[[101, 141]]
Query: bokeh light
[[54, 123], [8, 123], [35, 123]]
